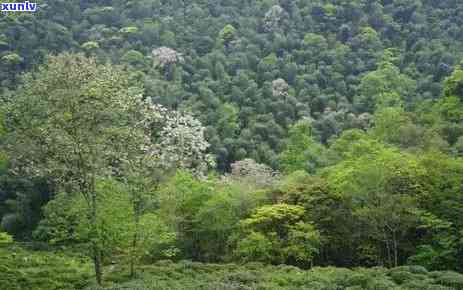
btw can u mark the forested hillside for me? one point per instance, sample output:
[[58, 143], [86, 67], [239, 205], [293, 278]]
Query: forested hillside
[[297, 132], [327, 52]]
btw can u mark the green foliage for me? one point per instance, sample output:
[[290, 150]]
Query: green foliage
[[156, 239], [442, 220], [76, 140], [90, 46], [348, 57], [315, 40], [218, 219], [63, 217], [24, 269], [278, 234], [204, 213], [129, 30], [66, 222], [447, 111], [368, 35], [302, 152], [381, 187], [227, 34], [5, 238], [180, 198], [256, 247], [454, 84], [393, 125], [133, 57], [188, 275], [11, 59], [386, 86]]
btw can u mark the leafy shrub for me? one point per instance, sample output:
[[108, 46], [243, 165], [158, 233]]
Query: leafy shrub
[[450, 279], [5, 238], [248, 277], [401, 276]]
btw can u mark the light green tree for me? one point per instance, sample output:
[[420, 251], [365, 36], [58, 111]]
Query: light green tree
[[382, 186], [302, 152], [384, 87], [278, 234], [227, 34]]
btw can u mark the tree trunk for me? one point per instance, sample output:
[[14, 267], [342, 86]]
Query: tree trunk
[[394, 238], [134, 244], [388, 249], [95, 238], [97, 263]]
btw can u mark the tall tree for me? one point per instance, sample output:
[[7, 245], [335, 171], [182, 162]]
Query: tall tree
[[72, 122]]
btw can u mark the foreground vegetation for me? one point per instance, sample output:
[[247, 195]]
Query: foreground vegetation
[[22, 268], [197, 276], [26, 269]]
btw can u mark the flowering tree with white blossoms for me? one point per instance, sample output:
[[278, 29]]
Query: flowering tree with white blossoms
[[273, 17], [280, 88], [249, 172], [166, 56], [182, 144]]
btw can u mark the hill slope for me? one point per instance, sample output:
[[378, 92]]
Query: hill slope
[[233, 51]]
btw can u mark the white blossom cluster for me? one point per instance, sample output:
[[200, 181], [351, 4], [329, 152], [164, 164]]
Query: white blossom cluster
[[280, 88], [273, 18], [182, 144], [168, 140], [167, 56], [253, 173]]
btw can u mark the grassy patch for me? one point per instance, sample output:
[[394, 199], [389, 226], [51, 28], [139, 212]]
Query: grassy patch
[[22, 269]]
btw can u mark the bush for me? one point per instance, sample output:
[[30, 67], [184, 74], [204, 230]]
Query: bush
[[400, 276], [248, 277], [5, 238], [450, 279]]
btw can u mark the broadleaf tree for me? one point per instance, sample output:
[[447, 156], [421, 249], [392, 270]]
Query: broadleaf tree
[[72, 122]]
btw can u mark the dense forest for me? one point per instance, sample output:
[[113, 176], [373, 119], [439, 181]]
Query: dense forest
[[271, 144]]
